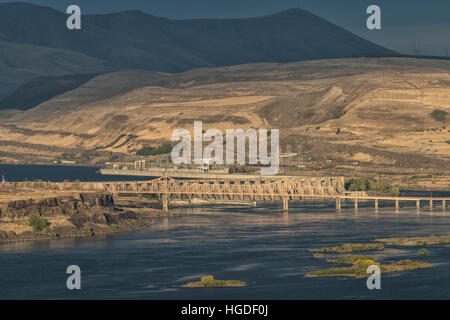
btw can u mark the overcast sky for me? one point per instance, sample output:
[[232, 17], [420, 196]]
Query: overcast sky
[[404, 22]]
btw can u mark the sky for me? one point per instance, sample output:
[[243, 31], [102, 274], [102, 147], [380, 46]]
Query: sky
[[406, 24]]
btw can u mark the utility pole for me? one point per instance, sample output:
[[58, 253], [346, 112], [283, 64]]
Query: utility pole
[[417, 48]]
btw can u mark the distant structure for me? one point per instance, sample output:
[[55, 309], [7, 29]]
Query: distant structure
[[417, 51]]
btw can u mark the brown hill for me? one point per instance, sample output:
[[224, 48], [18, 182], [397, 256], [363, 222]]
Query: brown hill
[[376, 112]]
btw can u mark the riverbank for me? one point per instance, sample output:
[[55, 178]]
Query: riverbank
[[261, 246], [77, 215]]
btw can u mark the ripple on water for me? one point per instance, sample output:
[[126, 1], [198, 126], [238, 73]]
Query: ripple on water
[[263, 247]]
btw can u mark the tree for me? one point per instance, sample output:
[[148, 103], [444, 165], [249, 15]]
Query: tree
[[37, 223]]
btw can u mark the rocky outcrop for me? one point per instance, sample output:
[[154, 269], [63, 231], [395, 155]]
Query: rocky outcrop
[[81, 215], [85, 204]]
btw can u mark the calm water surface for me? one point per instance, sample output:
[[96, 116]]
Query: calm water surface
[[261, 246], [58, 173]]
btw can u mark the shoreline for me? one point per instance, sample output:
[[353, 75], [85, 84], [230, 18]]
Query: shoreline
[[66, 236], [54, 164], [41, 237], [74, 216]]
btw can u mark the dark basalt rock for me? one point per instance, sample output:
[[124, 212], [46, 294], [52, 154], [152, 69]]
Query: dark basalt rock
[[89, 205]]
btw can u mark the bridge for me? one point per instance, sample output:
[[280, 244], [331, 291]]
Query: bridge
[[251, 190]]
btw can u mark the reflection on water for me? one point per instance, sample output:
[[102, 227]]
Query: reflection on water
[[262, 246], [70, 242]]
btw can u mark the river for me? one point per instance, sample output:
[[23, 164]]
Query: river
[[261, 246]]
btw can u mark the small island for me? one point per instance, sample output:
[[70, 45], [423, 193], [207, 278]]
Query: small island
[[416, 241], [349, 259], [360, 263], [349, 247], [359, 268], [210, 282]]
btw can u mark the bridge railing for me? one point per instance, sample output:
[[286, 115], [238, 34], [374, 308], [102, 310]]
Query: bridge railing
[[167, 185]]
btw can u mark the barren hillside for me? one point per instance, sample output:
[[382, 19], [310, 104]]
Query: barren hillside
[[372, 112]]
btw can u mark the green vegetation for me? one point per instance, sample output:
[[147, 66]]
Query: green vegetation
[[359, 268], [369, 184], [88, 232], [439, 115], [37, 223], [416, 241], [115, 157], [66, 157], [345, 248], [152, 151], [239, 169], [210, 282], [86, 156], [360, 263], [349, 259], [52, 234], [112, 143], [404, 265], [423, 252], [83, 156], [128, 139]]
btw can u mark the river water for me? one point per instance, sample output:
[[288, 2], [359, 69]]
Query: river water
[[57, 173], [262, 246]]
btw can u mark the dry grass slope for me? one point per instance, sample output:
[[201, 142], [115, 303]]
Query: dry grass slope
[[373, 111]]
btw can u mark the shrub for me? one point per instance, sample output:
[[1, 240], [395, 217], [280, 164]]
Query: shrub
[[368, 184], [52, 234], [152, 151], [88, 232], [439, 115], [359, 184], [210, 282], [37, 223], [128, 139], [423, 252]]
